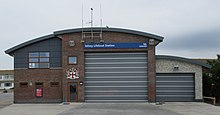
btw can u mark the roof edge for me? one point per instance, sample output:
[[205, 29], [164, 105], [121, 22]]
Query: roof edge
[[184, 60], [109, 29], [9, 51], [106, 29]]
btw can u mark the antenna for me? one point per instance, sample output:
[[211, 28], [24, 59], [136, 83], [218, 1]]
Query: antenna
[[92, 24], [100, 15], [82, 40], [92, 34], [101, 40]]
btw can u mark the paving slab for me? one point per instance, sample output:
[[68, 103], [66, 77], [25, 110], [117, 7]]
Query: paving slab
[[118, 109], [6, 99], [175, 108], [191, 108], [34, 109]]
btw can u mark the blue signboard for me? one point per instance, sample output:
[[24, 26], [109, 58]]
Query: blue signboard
[[116, 45]]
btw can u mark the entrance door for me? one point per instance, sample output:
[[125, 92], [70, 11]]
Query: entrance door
[[72, 89]]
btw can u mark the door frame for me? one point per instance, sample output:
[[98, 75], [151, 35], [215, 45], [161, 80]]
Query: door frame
[[68, 91]]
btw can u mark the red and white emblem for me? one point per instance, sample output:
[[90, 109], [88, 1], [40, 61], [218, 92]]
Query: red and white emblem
[[72, 73]]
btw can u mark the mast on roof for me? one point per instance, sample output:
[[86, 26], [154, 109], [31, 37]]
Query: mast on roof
[[94, 35]]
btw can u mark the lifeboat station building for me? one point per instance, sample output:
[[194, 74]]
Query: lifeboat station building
[[102, 65]]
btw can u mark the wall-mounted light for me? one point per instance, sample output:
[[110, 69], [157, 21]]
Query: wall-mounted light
[[71, 43], [176, 67], [102, 41], [82, 41], [151, 42], [81, 83], [30, 83]]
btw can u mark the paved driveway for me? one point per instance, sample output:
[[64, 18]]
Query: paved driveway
[[6, 99], [175, 108], [118, 109], [192, 108]]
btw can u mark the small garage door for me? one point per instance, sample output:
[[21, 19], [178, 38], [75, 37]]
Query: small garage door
[[116, 77], [175, 87]]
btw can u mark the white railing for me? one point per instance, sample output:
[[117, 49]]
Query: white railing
[[210, 98]]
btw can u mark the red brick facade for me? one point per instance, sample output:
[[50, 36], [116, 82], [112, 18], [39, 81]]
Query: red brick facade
[[60, 93], [33, 76], [109, 37]]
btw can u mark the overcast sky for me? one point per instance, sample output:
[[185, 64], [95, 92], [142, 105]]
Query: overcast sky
[[191, 28]]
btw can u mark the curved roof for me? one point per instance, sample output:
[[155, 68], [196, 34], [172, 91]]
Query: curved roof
[[98, 29], [183, 59], [56, 33], [28, 43]]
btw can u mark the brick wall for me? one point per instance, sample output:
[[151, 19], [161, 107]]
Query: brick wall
[[108, 37], [31, 76], [60, 94]]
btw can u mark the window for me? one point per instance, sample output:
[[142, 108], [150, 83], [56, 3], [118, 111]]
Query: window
[[11, 77], [8, 77], [8, 84], [23, 84], [72, 60], [39, 59], [54, 84], [1, 77]]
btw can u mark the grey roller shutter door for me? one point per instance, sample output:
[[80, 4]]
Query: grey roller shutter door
[[116, 77], [175, 87]]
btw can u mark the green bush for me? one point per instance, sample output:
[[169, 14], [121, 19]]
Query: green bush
[[211, 80]]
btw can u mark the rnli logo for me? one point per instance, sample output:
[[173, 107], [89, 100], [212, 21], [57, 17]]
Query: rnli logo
[[143, 45]]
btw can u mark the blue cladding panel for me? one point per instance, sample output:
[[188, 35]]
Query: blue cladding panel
[[52, 45], [43, 48]]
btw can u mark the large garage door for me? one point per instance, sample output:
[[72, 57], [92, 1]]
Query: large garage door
[[116, 77], [175, 87]]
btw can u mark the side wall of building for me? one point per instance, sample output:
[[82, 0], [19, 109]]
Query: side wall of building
[[167, 66], [27, 94], [24, 75], [6, 79]]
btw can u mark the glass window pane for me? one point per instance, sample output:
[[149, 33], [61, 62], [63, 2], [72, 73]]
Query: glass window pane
[[33, 54], [11, 77], [39, 59], [7, 84], [33, 65], [44, 65], [7, 77], [33, 59], [44, 59], [44, 54], [72, 60]]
